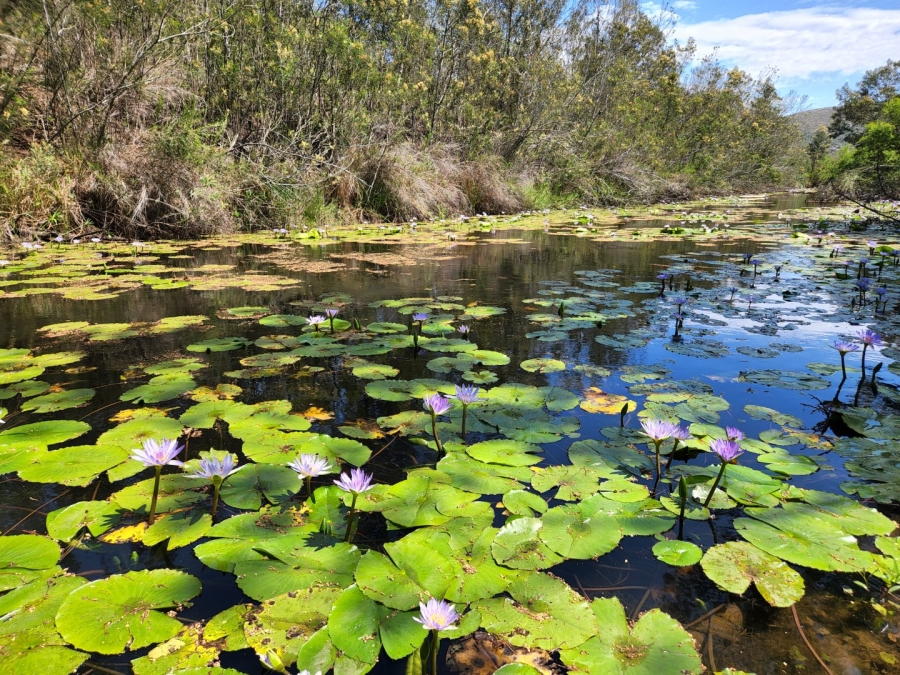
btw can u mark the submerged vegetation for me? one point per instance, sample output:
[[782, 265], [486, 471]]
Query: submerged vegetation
[[192, 118], [459, 466]]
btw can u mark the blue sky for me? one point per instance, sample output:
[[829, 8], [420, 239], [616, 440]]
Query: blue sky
[[814, 46]]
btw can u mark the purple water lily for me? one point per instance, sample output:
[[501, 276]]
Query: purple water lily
[[157, 455], [436, 615], [216, 470], [843, 347], [658, 431], [869, 338], [309, 466], [728, 451], [466, 395], [436, 405], [356, 483]]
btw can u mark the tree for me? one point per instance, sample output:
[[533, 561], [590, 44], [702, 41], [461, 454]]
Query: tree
[[817, 150], [863, 104]]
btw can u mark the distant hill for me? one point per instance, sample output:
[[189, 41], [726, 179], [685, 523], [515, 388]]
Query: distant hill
[[810, 120]]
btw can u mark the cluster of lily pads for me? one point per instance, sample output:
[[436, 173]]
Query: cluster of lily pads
[[477, 527]]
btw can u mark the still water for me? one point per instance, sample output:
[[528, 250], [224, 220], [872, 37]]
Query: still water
[[526, 272]]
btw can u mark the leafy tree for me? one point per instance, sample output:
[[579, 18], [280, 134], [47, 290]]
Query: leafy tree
[[857, 107]]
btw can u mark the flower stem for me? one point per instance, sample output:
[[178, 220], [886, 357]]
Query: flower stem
[[465, 410], [155, 495], [348, 535], [437, 440], [843, 366], [865, 346], [309, 487], [657, 444], [715, 485], [215, 505], [435, 643]]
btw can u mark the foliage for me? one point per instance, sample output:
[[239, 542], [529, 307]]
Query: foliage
[[191, 117]]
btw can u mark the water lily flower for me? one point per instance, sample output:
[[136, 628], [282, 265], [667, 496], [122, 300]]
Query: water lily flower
[[331, 312], [310, 466], [843, 349], [420, 316], [732, 290], [463, 330], [356, 483], [663, 278], [216, 470], [734, 434], [658, 431], [869, 338], [467, 395], [728, 451], [315, 321], [157, 455], [679, 301], [436, 615], [679, 434], [436, 405]]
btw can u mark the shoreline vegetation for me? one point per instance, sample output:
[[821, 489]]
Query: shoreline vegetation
[[188, 119]]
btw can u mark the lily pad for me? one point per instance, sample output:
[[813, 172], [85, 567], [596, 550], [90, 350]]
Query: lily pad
[[677, 553], [655, 644], [111, 615], [735, 564]]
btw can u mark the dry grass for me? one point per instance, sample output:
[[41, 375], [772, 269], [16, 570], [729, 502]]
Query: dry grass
[[403, 182]]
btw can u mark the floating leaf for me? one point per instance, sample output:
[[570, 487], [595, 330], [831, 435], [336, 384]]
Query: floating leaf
[[542, 365], [785, 379], [109, 615], [677, 553], [598, 401], [519, 545], [734, 565], [655, 644], [543, 612]]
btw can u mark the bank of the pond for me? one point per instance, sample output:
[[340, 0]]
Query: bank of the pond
[[514, 387]]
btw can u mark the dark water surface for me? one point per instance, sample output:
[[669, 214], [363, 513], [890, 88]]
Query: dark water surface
[[747, 634]]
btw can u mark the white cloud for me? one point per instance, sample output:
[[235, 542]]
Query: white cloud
[[800, 43]]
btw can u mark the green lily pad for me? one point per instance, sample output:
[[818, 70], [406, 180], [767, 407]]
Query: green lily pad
[[60, 400], [519, 545], [762, 413], [288, 623], [43, 433], [677, 553], [74, 465], [160, 388], [225, 344], [295, 566], [543, 612], [506, 452], [542, 365], [655, 644], [111, 615], [734, 565], [785, 379]]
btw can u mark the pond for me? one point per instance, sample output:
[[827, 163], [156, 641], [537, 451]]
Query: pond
[[555, 511]]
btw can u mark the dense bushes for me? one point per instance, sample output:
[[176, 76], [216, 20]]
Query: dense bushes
[[192, 117]]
